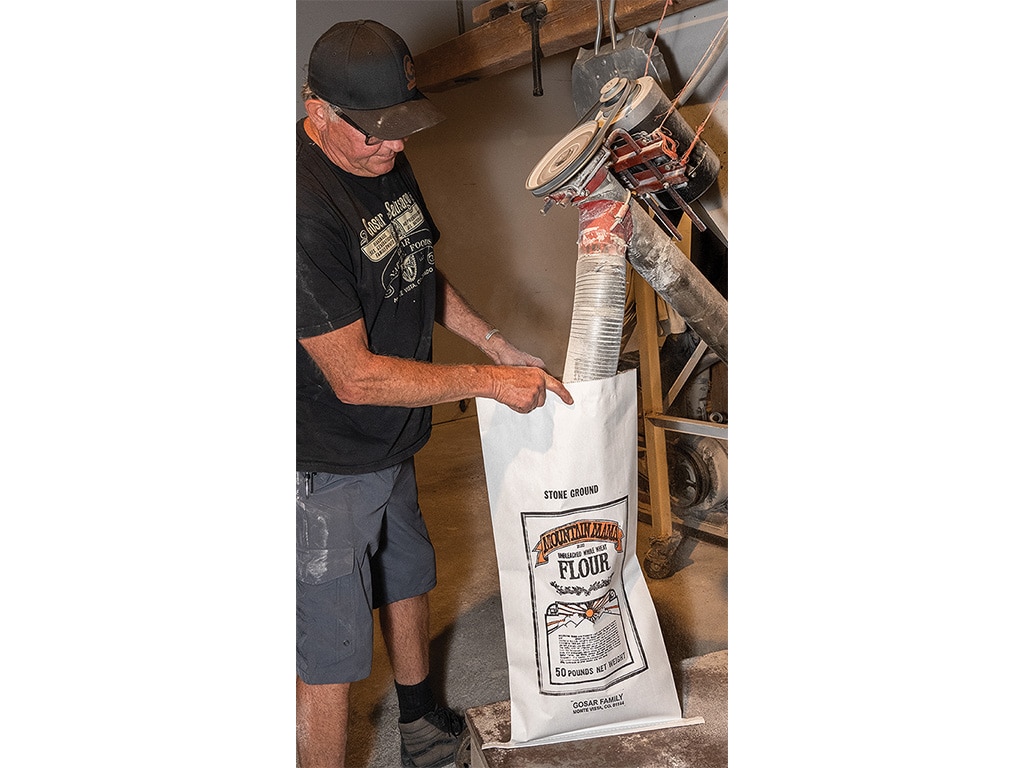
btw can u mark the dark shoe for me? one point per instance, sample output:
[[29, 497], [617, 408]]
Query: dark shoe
[[431, 741]]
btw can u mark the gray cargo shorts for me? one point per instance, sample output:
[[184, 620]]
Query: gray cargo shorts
[[360, 543]]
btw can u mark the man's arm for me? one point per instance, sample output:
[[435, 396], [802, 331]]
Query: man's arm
[[360, 377], [456, 314]]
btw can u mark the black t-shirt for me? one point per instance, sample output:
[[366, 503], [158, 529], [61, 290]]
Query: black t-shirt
[[365, 249]]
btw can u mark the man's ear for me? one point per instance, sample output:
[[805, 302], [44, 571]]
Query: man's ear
[[317, 111]]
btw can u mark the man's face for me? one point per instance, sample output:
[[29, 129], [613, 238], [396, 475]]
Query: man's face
[[346, 146]]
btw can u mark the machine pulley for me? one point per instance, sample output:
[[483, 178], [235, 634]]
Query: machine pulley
[[635, 133]]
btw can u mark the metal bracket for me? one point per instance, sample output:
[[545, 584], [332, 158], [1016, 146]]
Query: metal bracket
[[629, 156]]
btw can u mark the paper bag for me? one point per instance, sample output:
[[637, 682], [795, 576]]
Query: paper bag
[[585, 651]]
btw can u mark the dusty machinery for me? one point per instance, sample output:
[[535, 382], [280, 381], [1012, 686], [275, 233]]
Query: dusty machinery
[[633, 167]]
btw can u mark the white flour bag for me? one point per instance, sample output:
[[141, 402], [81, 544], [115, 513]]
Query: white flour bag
[[585, 651]]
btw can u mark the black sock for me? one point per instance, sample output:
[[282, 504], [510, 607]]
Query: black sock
[[414, 701]]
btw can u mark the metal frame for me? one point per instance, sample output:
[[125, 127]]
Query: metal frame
[[657, 422]]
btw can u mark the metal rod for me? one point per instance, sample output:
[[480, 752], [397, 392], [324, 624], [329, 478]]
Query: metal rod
[[704, 65], [532, 15], [689, 426], [684, 374], [611, 22]]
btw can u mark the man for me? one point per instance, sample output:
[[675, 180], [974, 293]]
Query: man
[[368, 294]]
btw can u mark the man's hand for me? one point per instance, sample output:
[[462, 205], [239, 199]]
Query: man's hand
[[511, 355], [504, 352], [523, 388]]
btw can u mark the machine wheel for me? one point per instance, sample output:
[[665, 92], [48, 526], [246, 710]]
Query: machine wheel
[[659, 560], [688, 472]]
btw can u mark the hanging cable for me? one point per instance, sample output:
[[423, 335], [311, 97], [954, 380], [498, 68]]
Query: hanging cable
[[700, 129], [656, 31]]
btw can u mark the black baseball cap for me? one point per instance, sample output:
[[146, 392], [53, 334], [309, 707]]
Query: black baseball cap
[[365, 69]]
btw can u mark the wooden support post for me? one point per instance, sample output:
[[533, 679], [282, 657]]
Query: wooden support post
[[665, 540], [651, 397]]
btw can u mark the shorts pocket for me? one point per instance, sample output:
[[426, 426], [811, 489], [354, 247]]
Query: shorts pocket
[[318, 566], [326, 634]]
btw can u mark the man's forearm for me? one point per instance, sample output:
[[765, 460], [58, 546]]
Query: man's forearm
[[456, 314], [409, 383]]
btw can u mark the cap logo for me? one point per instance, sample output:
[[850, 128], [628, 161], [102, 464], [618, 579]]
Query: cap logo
[[410, 74]]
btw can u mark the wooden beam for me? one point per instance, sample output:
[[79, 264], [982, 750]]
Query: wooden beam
[[482, 13], [504, 43]]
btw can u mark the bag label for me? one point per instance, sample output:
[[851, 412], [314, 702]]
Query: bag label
[[586, 639]]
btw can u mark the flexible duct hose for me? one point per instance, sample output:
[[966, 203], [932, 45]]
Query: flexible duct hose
[[595, 335]]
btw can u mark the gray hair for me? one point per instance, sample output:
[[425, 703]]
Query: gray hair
[[308, 94]]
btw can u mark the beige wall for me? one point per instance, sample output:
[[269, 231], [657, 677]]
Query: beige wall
[[513, 264]]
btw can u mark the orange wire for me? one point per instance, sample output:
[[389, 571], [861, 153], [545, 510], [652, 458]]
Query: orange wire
[[650, 53], [672, 106], [700, 130]]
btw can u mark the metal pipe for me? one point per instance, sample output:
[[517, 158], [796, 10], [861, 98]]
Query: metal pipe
[[673, 277]]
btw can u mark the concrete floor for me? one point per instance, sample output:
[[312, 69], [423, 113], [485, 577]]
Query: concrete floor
[[468, 643]]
